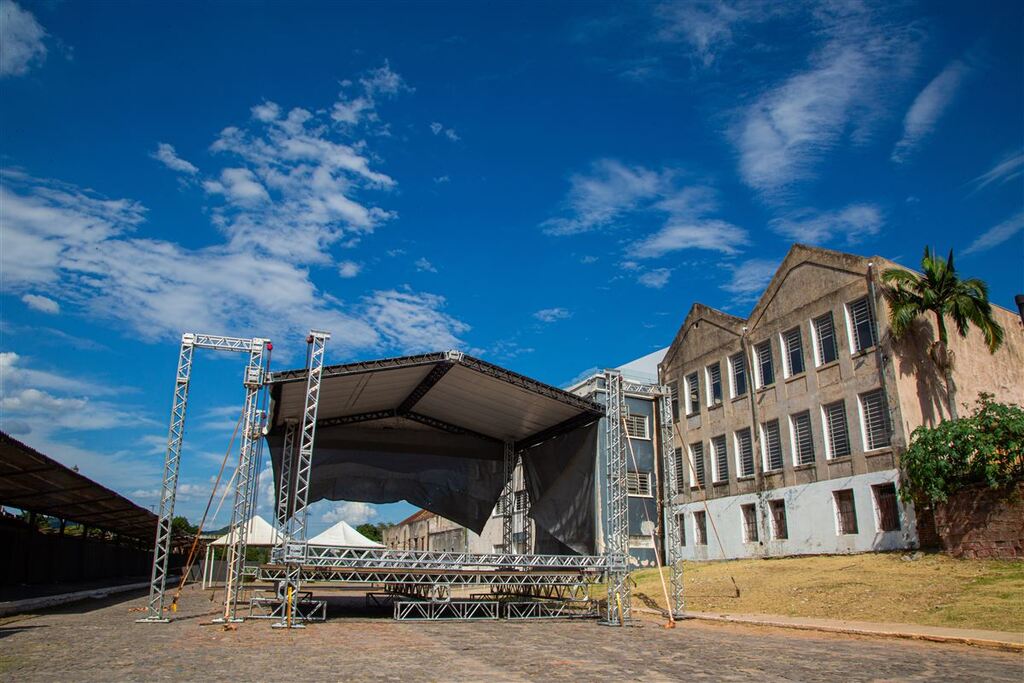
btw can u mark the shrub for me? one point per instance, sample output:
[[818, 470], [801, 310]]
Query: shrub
[[986, 448]]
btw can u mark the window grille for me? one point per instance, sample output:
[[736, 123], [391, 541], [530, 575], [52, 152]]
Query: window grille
[[765, 370], [887, 507], [864, 335], [772, 445], [673, 392], [846, 511], [780, 529], [636, 426], [876, 420], [697, 454], [700, 526], [638, 483], [693, 394], [520, 501], [803, 441], [721, 458], [825, 335], [837, 435], [749, 523], [681, 523], [794, 351], [715, 382], [739, 374], [680, 468], [745, 453]]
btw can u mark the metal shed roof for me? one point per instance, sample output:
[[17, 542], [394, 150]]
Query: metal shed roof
[[449, 391], [35, 482]]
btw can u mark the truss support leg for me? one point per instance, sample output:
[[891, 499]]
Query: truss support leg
[[506, 499], [670, 487], [295, 543], [284, 488], [619, 609], [169, 488], [242, 510]]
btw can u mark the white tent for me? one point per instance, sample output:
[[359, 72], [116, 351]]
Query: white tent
[[341, 534], [259, 533]]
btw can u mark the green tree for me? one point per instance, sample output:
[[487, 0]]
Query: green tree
[[371, 531], [180, 526], [940, 293]]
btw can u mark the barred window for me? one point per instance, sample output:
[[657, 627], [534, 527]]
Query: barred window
[[681, 523], [825, 338], [793, 343], [765, 369], [697, 455], [837, 435], [638, 483], [521, 501], [738, 365], [803, 441], [673, 392], [749, 523], [677, 456], [886, 508], [692, 393], [875, 417], [863, 332], [780, 528], [721, 458], [772, 444], [715, 383], [744, 453], [700, 526], [636, 426], [846, 511]]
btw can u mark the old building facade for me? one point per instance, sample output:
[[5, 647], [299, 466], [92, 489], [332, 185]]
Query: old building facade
[[789, 423]]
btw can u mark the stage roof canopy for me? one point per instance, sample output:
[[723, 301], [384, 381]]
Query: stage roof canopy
[[35, 482], [432, 429]]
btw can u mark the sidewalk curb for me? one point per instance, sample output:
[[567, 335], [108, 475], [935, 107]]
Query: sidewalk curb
[[851, 630], [29, 604]]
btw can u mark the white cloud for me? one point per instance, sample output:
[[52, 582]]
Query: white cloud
[[588, 259], [17, 375], [707, 26], [441, 180], [713, 235], [790, 128], [21, 40], [425, 266], [852, 224], [384, 81], [167, 155], [349, 269], [596, 199], [238, 185], [41, 303], [750, 278], [550, 315], [997, 234], [1008, 168], [413, 322], [438, 128], [266, 111], [655, 279], [928, 106], [352, 512]]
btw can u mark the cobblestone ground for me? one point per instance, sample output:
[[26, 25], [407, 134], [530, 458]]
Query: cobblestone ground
[[98, 641]]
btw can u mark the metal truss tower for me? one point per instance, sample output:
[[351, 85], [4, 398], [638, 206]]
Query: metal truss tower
[[670, 484], [295, 537], [617, 540], [172, 459], [507, 495], [284, 484]]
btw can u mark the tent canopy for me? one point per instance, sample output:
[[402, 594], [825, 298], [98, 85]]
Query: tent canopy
[[258, 533], [431, 429], [343, 535]]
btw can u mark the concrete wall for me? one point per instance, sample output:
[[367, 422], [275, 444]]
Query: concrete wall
[[811, 519]]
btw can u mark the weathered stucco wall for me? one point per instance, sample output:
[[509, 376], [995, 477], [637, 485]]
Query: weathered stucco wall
[[983, 524]]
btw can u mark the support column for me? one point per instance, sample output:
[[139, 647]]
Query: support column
[[506, 500], [670, 487], [169, 487], [619, 608], [242, 510], [295, 545], [284, 488]]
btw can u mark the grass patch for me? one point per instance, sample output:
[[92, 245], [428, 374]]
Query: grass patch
[[934, 590]]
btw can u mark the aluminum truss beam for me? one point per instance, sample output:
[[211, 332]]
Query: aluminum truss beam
[[284, 488], [296, 528], [670, 483], [328, 556], [617, 540], [506, 498], [172, 458]]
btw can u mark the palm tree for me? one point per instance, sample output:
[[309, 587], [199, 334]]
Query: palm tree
[[941, 293]]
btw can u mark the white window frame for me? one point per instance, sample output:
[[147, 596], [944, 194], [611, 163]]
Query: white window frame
[[759, 378], [694, 482], [826, 430], [739, 455], [787, 370], [851, 331], [819, 360], [715, 457], [731, 362], [864, 421], [643, 484], [795, 443], [710, 400], [646, 423], [692, 409], [765, 461]]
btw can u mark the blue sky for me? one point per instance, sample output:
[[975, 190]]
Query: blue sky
[[549, 186]]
